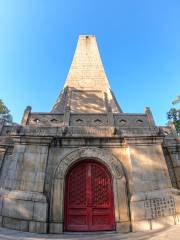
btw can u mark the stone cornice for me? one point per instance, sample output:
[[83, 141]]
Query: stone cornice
[[143, 140]]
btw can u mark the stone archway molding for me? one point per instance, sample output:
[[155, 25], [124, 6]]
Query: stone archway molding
[[119, 186], [104, 156]]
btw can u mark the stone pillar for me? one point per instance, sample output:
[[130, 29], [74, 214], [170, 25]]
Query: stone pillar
[[175, 157], [2, 154], [57, 207], [173, 128], [67, 116], [67, 108], [26, 116], [121, 205], [1, 126], [150, 116], [109, 111]]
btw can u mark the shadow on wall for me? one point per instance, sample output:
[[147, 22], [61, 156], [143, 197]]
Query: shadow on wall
[[85, 101], [155, 174]]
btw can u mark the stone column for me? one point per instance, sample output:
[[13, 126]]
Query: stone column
[[121, 205], [26, 116], [57, 206], [150, 116], [2, 154]]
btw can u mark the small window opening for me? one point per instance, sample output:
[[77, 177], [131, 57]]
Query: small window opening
[[36, 120]]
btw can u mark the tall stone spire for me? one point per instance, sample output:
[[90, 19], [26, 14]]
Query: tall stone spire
[[86, 70], [86, 89]]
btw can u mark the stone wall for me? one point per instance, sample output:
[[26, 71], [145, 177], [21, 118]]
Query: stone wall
[[26, 168], [24, 211], [171, 148], [34, 167], [23, 205]]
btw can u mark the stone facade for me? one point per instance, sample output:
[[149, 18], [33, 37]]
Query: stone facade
[[86, 122]]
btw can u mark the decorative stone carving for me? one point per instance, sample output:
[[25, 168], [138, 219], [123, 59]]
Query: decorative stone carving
[[106, 158], [160, 207]]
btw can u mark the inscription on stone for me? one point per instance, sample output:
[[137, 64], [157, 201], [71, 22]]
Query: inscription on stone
[[159, 207]]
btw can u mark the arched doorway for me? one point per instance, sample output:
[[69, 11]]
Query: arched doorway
[[89, 204]]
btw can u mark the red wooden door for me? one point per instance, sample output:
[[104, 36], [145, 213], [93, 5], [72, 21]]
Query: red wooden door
[[89, 198]]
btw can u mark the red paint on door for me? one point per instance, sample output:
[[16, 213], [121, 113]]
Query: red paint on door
[[89, 198]]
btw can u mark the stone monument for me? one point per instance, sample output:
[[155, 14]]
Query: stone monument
[[87, 165]]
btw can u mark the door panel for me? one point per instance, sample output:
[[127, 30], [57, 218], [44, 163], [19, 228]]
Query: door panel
[[77, 216], [102, 217], [89, 198]]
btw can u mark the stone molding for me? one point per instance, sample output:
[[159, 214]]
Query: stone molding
[[99, 154], [119, 184]]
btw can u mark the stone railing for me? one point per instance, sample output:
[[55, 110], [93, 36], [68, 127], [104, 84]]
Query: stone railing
[[121, 120], [45, 119]]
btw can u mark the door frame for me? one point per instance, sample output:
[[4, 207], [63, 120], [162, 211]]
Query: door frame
[[120, 186], [66, 191]]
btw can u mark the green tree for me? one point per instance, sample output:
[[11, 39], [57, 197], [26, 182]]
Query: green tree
[[5, 112], [174, 114]]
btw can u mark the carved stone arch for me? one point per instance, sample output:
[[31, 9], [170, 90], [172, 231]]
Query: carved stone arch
[[104, 156], [119, 185]]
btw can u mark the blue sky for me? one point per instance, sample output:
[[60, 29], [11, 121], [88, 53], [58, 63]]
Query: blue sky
[[139, 42]]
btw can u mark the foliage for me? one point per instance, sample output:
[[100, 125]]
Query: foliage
[[5, 112], [177, 100], [174, 114]]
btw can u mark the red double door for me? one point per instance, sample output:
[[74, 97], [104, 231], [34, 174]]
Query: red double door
[[89, 198]]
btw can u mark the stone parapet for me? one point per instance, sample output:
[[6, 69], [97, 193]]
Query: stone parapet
[[66, 131], [120, 120]]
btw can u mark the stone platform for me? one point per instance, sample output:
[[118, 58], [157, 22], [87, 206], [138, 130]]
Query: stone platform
[[170, 233]]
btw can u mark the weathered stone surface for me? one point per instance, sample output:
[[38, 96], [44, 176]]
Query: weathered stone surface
[[86, 88], [1, 202], [19, 209], [123, 227], [56, 228], [177, 218], [138, 211], [155, 173], [15, 224], [163, 222], [170, 233], [22, 195], [86, 123], [143, 225], [40, 211], [37, 227]]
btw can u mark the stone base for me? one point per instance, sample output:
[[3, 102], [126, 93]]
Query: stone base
[[27, 211], [141, 226], [25, 226], [15, 224], [55, 228], [153, 224], [155, 210], [123, 227], [38, 227], [23, 211]]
